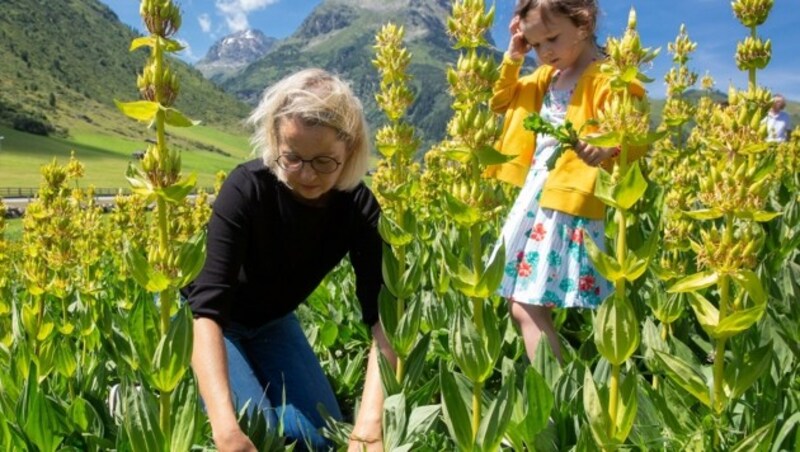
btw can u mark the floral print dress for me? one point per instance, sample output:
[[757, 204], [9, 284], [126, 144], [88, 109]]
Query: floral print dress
[[546, 259]]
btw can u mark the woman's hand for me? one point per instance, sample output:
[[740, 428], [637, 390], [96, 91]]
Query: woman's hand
[[594, 156], [518, 46], [233, 440]]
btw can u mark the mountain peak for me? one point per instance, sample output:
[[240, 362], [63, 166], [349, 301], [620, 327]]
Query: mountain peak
[[233, 52], [421, 18]]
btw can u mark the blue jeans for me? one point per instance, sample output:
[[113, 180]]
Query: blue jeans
[[274, 367]]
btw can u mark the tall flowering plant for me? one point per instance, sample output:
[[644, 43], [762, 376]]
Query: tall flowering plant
[[162, 339]]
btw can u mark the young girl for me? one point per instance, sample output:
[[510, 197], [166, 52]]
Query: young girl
[[547, 265]]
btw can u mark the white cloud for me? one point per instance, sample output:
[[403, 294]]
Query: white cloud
[[205, 22], [235, 11], [186, 54]]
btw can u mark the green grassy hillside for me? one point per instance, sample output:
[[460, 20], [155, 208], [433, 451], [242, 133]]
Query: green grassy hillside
[[63, 64]]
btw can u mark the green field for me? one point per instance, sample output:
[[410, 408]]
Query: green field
[[13, 229], [205, 150]]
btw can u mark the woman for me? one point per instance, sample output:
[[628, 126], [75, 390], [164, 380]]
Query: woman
[[278, 226]]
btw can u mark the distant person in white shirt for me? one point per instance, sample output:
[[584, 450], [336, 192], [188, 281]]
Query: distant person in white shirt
[[779, 124]]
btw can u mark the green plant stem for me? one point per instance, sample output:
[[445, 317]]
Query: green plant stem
[[163, 228], [39, 301], [724, 304], [477, 262], [477, 392], [401, 308], [613, 399], [621, 253]]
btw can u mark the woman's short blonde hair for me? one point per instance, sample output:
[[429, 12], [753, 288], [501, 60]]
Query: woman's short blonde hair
[[316, 97]]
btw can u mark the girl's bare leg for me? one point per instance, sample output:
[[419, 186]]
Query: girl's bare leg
[[535, 321]]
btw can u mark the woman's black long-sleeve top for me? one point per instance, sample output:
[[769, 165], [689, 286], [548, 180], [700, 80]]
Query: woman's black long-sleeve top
[[267, 251]]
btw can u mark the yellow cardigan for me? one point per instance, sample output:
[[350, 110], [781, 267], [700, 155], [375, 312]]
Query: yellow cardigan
[[570, 185]]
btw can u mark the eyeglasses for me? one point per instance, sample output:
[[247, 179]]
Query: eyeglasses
[[321, 164]]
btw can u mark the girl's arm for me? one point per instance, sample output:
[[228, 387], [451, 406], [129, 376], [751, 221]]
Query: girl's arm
[[367, 430], [209, 362], [506, 86]]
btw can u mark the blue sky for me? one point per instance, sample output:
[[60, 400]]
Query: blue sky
[[709, 22]]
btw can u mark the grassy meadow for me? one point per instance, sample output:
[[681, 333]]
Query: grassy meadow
[[205, 151]]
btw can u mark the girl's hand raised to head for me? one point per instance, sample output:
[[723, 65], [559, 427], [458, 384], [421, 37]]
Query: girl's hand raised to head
[[518, 46], [592, 155]]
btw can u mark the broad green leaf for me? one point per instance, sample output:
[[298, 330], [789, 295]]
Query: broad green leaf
[[495, 419], [143, 41], [168, 45], [174, 353], [141, 110], [394, 421], [186, 416], [595, 411], [604, 188], [30, 319], [490, 280], [391, 271], [739, 321], [456, 417], [43, 421], [144, 332], [141, 270], [389, 315], [45, 330], [85, 416], [652, 341], [631, 188], [422, 419], [647, 138], [191, 257], [539, 403], [650, 246], [408, 329], [65, 359], [410, 282], [616, 330], [175, 118], [387, 150], [704, 214], [791, 424], [546, 363], [392, 233], [707, 314], [388, 377], [463, 214], [415, 363], [469, 350], [608, 140], [686, 376], [751, 283], [328, 333], [740, 375], [694, 282], [634, 267], [758, 441], [757, 215], [462, 155], [140, 421], [177, 192], [488, 155], [605, 264], [627, 408]]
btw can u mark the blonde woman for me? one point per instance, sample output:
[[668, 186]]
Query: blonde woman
[[280, 224]]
